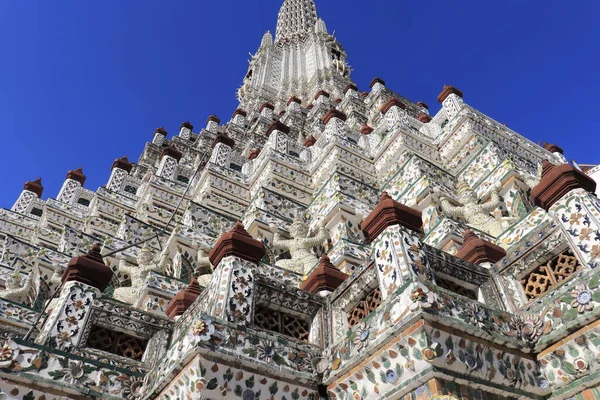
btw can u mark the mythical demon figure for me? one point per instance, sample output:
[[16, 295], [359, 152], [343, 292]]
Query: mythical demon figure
[[146, 264], [475, 214], [299, 246], [20, 291]]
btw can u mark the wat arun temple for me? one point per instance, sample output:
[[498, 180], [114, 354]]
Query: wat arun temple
[[323, 242]]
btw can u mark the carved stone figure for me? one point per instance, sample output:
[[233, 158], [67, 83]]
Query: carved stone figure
[[22, 291], [475, 214], [204, 268], [299, 246], [146, 264]]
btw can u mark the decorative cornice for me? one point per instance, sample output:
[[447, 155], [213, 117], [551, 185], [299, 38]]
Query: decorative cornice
[[377, 80], [223, 138], [334, 113], [89, 269], [239, 111], [325, 277], [447, 91], [351, 86], [277, 126], [392, 102], [310, 141], [294, 99], [237, 242], [34, 186], [161, 131], [171, 152], [253, 154], [423, 105], [266, 105], [183, 300], [122, 163], [366, 129], [213, 118], [388, 213], [557, 181], [321, 93], [188, 125], [425, 118], [77, 175], [476, 250]]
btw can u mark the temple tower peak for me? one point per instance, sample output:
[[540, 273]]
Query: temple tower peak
[[296, 18]]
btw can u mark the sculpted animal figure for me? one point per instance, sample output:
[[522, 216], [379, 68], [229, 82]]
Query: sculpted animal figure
[[299, 246], [475, 214], [138, 273]]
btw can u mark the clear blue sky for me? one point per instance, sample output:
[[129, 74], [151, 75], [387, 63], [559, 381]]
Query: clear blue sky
[[85, 82]]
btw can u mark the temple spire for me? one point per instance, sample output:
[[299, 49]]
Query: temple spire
[[296, 18]]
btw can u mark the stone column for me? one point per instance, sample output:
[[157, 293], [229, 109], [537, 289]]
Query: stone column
[[394, 230], [239, 117], [169, 159], [294, 104], [231, 291], [183, 300], [568, 196], [221, 153], [334, 122], [120, 169], [160, 134], [31, 191], [395, 112], [266, 110], [452, 100], [185, 130], [212, 124], [83, 281], [322, 97], [278, 140], [74, 180], [377, 85]]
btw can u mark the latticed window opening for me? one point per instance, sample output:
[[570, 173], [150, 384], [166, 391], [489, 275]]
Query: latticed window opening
[[117, 343], [550, 275], [281, 322], [364, 307], [456, 288]]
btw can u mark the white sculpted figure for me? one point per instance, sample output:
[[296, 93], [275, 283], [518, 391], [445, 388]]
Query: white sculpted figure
[[476, 215], [204, 268], [146, 264], [299, 247], [19, 291]]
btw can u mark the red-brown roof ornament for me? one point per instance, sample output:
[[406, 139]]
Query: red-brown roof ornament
[[122, 163], [447, 91], [171, 152], [322, 93], [239, 111], [366, 129], [277, 126], [325, 277], [351, 86], [377, 80], [294, 99], [552, 148], [476, 250], [213, 118], [253, 154], [223, 138], [188, 125], [266, 105], [364, 94], [334, 113], [77, 175], [392, 102], [34, 186], [388, 213], [161, 131], [310, 141], [237, 242], [337, 100], [183, 300], [557, 181], [89, 269], [425, 118], [423, 105], [310, 106]]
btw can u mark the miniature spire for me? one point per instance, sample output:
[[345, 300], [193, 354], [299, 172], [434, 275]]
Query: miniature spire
[[325, 278], [296, 17], [35, 187], [184, 299]]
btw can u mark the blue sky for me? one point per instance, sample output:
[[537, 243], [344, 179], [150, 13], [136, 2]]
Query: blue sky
[[85, 82]]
